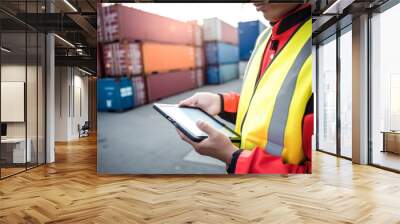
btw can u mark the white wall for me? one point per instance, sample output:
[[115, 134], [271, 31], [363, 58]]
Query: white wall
[[62, 81], [16, 72], [80, 83], [70, 83]]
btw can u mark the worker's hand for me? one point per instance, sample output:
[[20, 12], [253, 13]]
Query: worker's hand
[[209, 102], [217, 144]]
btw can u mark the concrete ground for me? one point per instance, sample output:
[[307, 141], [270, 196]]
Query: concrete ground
[[141, 141]]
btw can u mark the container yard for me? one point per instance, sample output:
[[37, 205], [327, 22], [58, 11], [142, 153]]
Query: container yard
[[147, 58], [318, 113]]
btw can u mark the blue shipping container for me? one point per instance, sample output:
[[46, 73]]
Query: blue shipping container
[[218, 74], [114, 94], [248, 33], [221, 53]]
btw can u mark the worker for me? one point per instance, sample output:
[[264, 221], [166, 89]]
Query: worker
[[276, 96]]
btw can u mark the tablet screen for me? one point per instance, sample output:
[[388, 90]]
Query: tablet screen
[[187, 118]]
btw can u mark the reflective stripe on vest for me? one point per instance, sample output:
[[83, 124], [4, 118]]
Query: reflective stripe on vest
[[271, 108], [281, 111]]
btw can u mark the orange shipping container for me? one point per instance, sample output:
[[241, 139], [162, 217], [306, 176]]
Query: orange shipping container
[[167, 57]]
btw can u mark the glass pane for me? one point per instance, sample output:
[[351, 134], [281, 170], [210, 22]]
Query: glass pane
[[327, 97], [385, 84], [13, 86], [32, 97], [346, 94], [23, 81], [41, 98]]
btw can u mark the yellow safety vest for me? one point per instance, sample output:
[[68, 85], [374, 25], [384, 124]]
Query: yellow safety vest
[[271, 110]]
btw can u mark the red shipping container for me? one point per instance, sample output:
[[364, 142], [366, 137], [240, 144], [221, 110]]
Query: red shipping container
[[139, 90], [200, 77], [99, 26], [164, 85], [100, 65], [125, 23], [122, 59]]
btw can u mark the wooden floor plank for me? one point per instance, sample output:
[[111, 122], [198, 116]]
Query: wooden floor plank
[[70, 191]]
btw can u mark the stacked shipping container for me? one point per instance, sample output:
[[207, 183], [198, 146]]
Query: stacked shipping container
[[221, 51], [161, 57], [199, 53], [118, 21], [248, 33], [157, 53]]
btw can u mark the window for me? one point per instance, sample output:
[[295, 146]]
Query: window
[[346, 92], [385, 89], [327, 96], [22, 78]]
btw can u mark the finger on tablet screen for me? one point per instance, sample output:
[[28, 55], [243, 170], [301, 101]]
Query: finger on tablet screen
[[206, 128], [191, 101]]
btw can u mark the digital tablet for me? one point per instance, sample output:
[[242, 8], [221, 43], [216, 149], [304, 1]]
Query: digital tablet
[[185, 118]]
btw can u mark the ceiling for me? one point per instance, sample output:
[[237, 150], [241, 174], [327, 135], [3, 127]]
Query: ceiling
[[331, 15], [74, 21]]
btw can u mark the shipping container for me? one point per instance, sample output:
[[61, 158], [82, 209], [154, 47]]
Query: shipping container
[[242, 68], [99, 26], [164, 85], [119, 22], [215, 29], [199, 57], [222, 73], [114, 94], [197, 34], [160, 58], [125, 58], [200, 77], [122, 58], [248, 33], [221, 53], [139, 90], [100, 65]]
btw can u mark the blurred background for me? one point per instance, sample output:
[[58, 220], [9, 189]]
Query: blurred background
[[150, 53]]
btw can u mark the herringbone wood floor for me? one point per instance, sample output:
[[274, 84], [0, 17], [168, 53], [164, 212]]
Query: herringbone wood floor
[[70, 191]]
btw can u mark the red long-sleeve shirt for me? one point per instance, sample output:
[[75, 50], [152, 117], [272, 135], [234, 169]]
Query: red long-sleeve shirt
[[257, 160]]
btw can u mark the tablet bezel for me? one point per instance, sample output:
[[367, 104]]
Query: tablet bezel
[[188, 133]]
